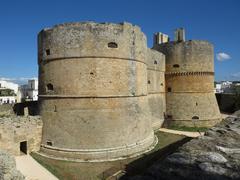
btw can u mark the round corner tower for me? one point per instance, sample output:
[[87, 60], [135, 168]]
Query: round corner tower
[[93, 91], [190, 83]]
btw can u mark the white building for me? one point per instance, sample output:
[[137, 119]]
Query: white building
[[7, 97], [33, 89], [7, 100], [218, 88], [29, 92], [226, 84], [9, 85]]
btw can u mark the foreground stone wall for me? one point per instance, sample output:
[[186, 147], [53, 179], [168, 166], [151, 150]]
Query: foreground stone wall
[[189, 83], [8, 169], [213, 156], [17, 129], [6, 110], [93, 91]]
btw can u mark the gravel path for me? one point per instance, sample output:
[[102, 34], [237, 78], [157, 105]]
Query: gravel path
[[31, 169]]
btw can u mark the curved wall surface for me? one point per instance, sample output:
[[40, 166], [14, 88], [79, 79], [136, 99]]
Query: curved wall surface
[[93, 91], [156, 87], [190, 83]]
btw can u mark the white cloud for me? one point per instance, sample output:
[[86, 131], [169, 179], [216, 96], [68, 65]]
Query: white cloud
[[223, 56], [19, 80]]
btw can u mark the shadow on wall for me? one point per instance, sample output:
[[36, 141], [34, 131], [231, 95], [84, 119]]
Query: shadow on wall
[[228, 103], [141, 165], [30, 106]]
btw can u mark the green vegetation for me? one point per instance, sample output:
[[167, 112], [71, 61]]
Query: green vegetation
[[190, 129], [101, 170], [7, 92]]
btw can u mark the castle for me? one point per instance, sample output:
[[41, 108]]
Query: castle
[[102, 92]]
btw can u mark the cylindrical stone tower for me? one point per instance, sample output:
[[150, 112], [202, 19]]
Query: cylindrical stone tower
[[93, 91], [190, 83], [156, 87]]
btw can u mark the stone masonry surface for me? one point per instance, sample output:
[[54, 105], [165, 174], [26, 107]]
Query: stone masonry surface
[[8, 169], [213, 156], [15, 130], [93, 91], [102, 92]]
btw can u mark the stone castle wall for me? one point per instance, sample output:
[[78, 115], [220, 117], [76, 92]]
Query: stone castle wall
[[189, 83], [93, 91], [17, 129], [191, 56], [102, 91], [156, 87]]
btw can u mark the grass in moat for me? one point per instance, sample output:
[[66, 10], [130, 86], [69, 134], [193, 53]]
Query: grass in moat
[[189, 129], [101, 170]]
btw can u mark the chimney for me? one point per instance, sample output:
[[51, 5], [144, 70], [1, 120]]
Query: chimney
[[159, 38], [179, 35]]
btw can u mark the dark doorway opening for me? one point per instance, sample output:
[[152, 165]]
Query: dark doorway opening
[[23, 147]]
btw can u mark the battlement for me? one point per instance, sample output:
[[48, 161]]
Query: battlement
[[189, 73], [91, 24]]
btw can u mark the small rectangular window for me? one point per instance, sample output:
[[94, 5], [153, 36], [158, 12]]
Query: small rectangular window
[[112, 45], [47, 52], [49, 143], [176, 66]]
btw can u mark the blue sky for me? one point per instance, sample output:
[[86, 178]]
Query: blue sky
[[217, 21]]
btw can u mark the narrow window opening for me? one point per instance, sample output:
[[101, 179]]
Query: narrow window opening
[[195, 118], [49, 143], [55, 108], [155, 62], [49, 87], [23, 147], [196, 104], [47, 52], [149, 82], [176, 66], [169, 89], [112, 45], [161, 84]]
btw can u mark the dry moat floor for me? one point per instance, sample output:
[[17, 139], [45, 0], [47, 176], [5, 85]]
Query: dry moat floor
[[167, 144]]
